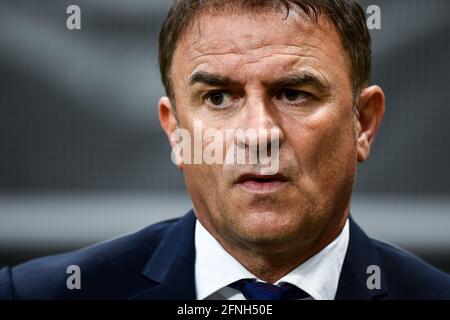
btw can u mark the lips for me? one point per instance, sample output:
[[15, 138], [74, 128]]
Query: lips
[[261, 183]]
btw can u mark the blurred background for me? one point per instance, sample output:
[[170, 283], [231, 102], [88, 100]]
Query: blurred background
[[83, 158]]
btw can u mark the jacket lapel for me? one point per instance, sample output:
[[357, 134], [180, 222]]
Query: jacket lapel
[[361, 253], [171, 268]]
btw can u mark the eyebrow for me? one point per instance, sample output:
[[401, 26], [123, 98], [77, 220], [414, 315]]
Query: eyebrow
[[302, 78], [209, 79]]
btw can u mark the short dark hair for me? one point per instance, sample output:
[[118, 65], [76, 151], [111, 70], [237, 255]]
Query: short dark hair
[[347, 17]]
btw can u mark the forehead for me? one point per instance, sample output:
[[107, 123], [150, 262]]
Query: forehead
[[259, 45]]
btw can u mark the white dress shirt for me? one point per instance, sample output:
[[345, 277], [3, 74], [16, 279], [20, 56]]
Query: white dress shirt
[[215, 269]]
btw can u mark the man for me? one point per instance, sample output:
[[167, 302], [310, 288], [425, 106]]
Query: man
[[300, 70]]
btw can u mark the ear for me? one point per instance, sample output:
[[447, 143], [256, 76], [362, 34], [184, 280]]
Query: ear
[[371, 112], [168, 120]]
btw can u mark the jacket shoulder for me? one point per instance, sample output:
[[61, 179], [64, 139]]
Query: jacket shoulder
[[6, 292], [107, 270], [409, 277]]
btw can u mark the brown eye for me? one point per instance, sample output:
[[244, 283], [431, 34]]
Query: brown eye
[[218, 99], [293, 95]]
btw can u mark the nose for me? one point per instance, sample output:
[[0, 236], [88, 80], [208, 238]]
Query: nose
[[261, 122]]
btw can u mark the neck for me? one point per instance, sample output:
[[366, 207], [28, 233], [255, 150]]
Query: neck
[[271, 264]]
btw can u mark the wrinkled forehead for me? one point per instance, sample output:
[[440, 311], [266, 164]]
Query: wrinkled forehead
[[208, 26], [230, 42]]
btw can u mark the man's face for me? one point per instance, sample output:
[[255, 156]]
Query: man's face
[[288, 75]]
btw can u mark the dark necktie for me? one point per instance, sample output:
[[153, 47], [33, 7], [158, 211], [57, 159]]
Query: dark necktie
[[253, 290]]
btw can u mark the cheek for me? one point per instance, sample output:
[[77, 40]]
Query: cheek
[[205, 185], [200, 176], [324, 145]]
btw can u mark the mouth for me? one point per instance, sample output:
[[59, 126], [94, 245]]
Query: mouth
[[262, 183]]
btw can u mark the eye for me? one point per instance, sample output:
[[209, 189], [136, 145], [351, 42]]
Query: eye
[[293, 96], [218, 99]]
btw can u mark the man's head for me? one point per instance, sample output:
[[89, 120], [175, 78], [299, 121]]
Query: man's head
[[298, 67]]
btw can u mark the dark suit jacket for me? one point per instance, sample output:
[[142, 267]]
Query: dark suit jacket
[[158, 263]]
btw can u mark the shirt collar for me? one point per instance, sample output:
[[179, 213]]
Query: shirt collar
[[215, 268], [319, 275]]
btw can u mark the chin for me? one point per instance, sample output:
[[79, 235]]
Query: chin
[[269, 226]]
